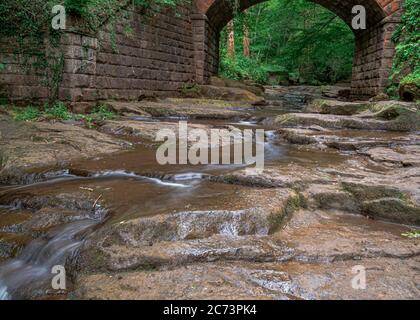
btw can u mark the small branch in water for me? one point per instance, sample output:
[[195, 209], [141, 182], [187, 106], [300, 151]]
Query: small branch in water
[[96, 202], [86, 189]]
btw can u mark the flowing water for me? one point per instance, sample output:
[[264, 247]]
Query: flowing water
[[21, 276], [127, 192], [131, 184]]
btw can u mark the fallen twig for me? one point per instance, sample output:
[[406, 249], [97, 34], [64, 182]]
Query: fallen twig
[[87, 189], [96, 202]]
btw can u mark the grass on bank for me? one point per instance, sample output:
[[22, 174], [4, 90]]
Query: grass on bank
[[59, 111], [412, 235]]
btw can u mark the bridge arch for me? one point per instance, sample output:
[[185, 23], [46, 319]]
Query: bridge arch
[[374, 49]]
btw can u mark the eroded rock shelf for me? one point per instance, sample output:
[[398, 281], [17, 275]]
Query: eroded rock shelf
[[341, 185]]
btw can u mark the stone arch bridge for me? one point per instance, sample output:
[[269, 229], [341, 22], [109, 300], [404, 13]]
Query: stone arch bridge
[[374, 48], [171, 47]]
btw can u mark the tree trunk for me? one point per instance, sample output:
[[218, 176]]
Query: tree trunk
[[246, 41], [231, 39]]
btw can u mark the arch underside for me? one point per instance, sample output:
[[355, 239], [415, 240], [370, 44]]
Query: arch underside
[[374, 49], [220, 12]]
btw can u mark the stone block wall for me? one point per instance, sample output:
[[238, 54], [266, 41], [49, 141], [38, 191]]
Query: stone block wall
[[375, 51], [161, 50], [146, 53], [206, 48], [373, 60], [157, 57], [16, 82]]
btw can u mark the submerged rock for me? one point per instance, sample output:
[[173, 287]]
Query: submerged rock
[[147, 132], [350, 187], [11, 244]]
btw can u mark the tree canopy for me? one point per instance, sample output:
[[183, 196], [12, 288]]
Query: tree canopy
[[297, 40]]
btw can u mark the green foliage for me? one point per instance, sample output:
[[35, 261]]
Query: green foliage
[[99, 114], [27, 24], [243, 68], [30, 113], [31, 18], [413, 77], [24, 18], [412, 234], [296, 40], [3, 100], [102, 112], [77, 7], [59, 111], [406, 67], [190, 89], [97, 13]]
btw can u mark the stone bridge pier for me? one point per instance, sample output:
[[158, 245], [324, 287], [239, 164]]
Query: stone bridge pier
[[374, 50]]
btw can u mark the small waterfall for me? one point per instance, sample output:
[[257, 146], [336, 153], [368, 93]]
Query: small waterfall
[[3, 292], [273, 151], [125, 174], [188, 176], [116, 174], [32, 268], [166, 183]]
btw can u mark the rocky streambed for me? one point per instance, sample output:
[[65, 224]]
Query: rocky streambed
[[341, 186]]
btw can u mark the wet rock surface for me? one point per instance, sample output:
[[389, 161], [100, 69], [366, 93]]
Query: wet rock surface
[[192, 108], [27, 216], [147, 130], [26, 146], [336, 107], [188, 237], [312, 257], [341, 186], [348, 140], [229, 94], [384, 115], [288, 280]]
